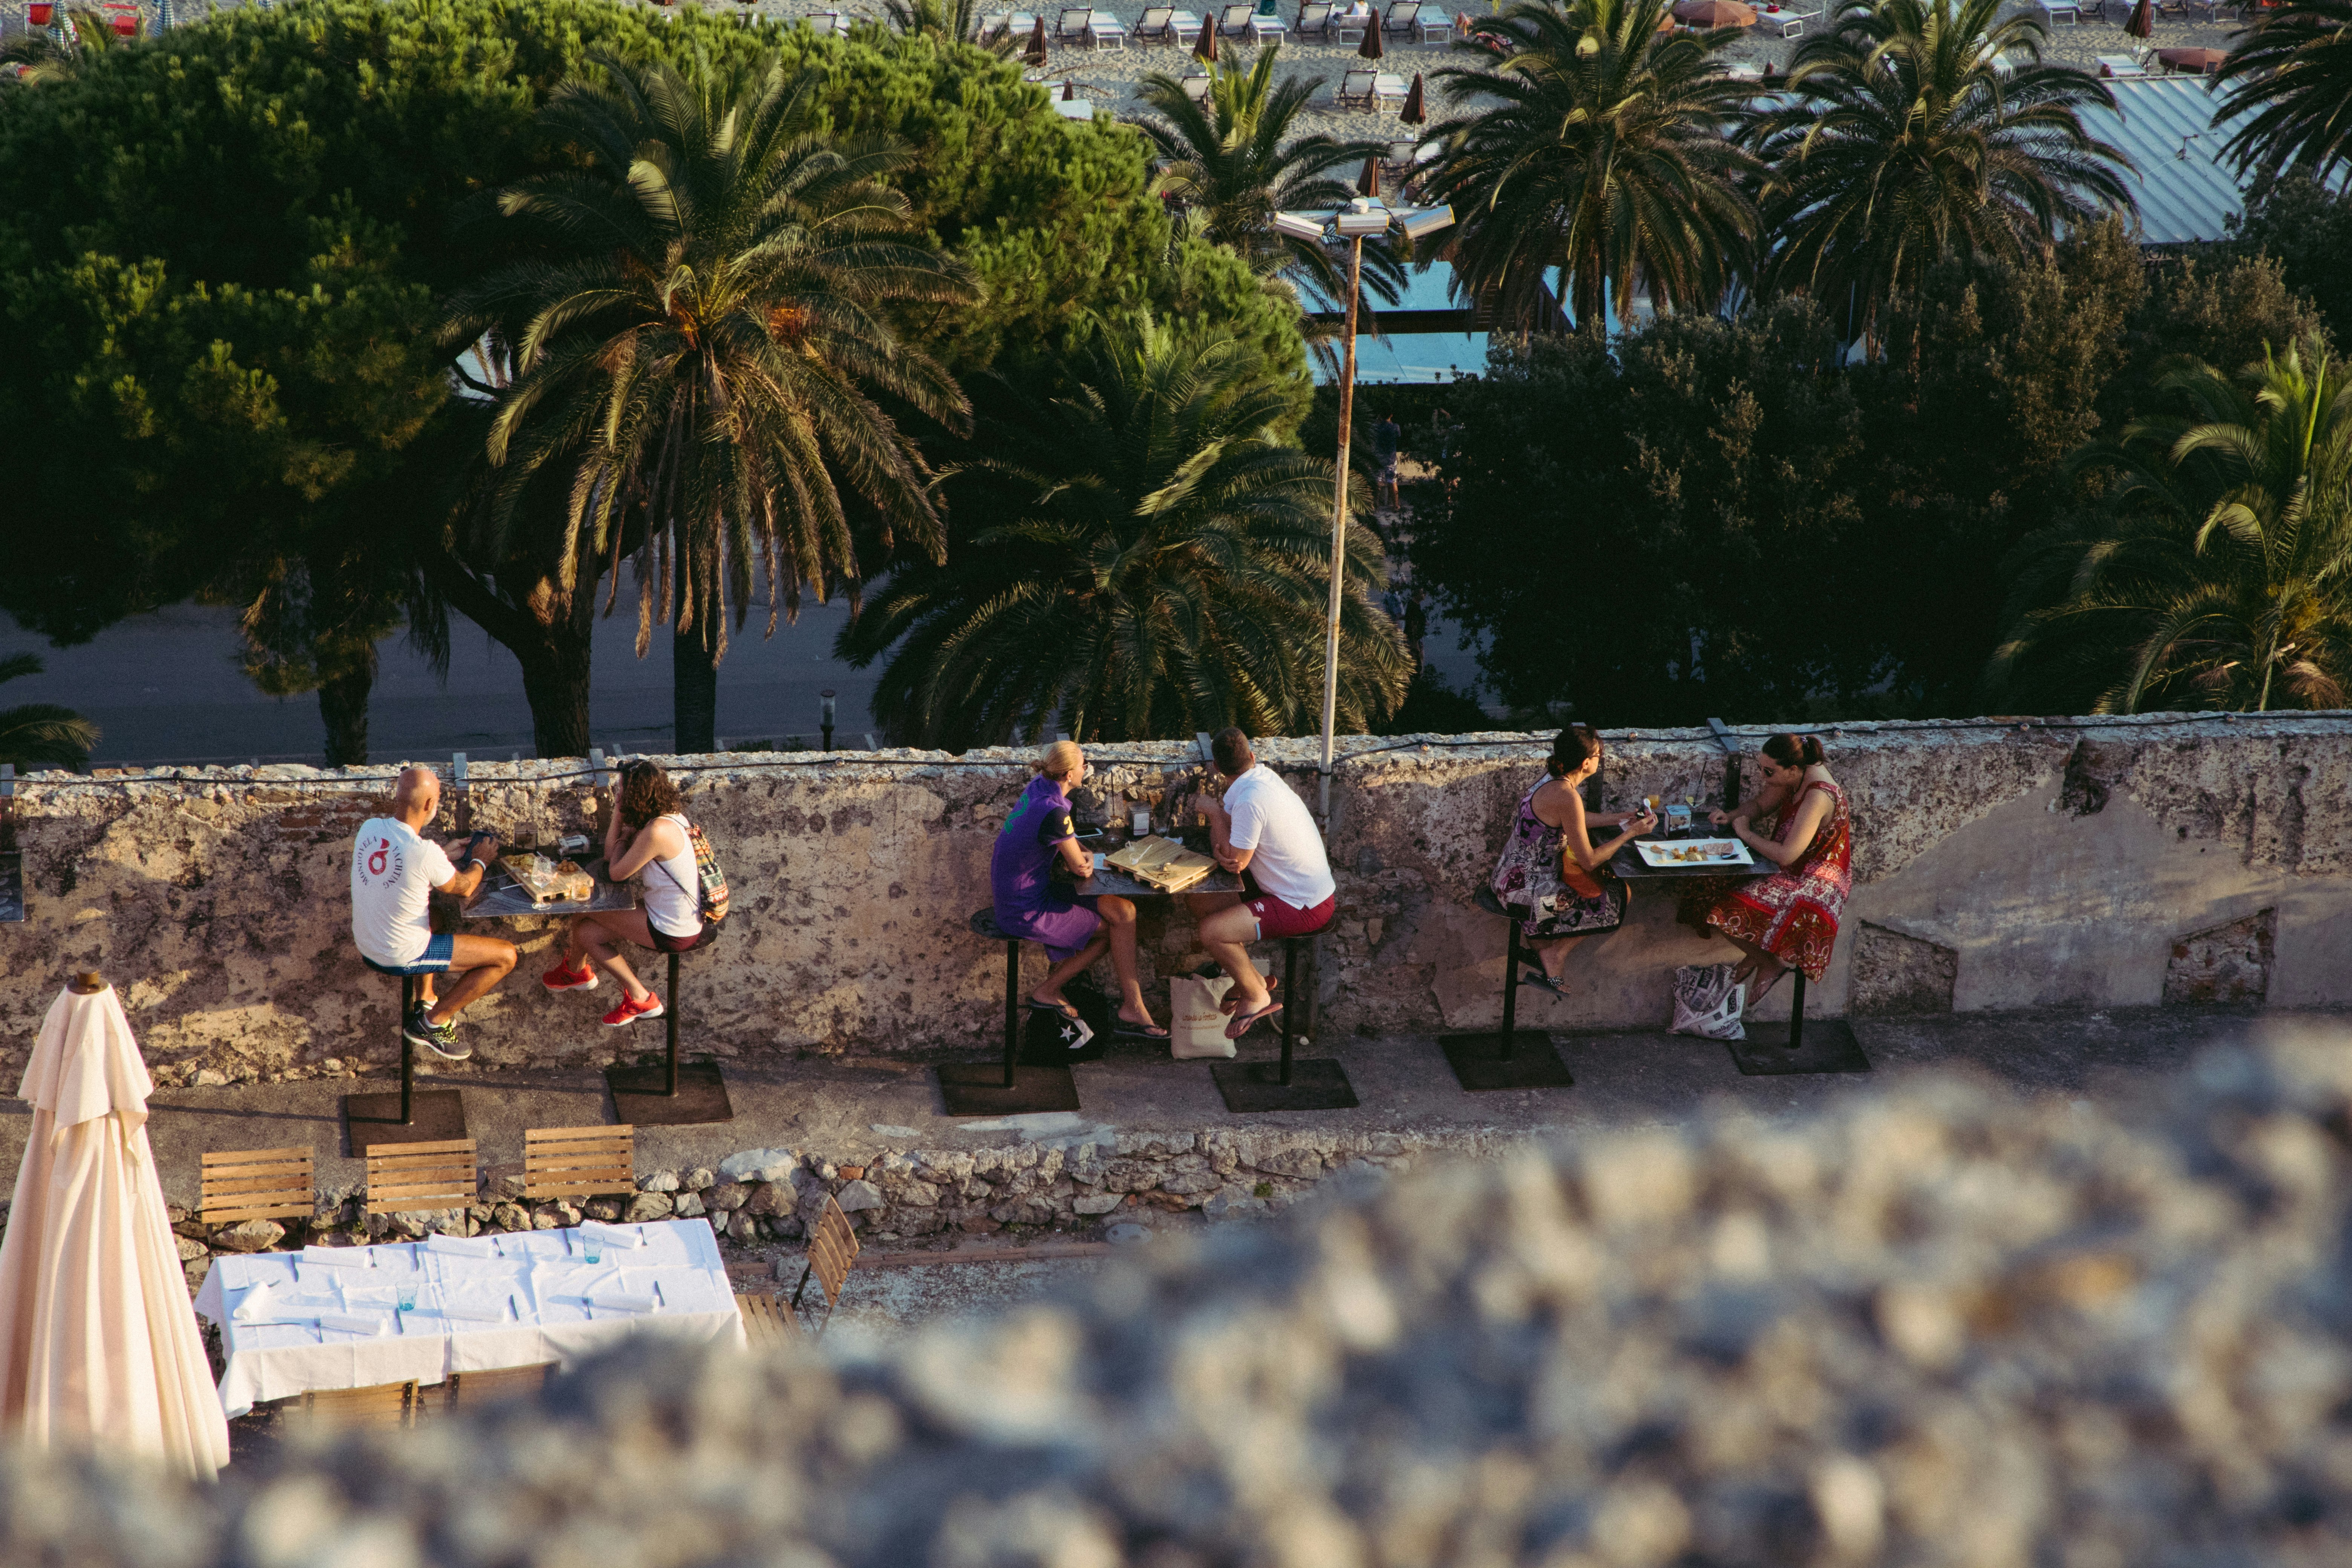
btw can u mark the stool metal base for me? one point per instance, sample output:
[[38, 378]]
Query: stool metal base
[[437, 1114], [1826, 1045], [639, 1099], [1317, 1083], [1479, 1065], [977, 1089]]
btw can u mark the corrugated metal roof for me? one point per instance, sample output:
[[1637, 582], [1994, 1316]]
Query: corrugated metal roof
[[2185, 188]]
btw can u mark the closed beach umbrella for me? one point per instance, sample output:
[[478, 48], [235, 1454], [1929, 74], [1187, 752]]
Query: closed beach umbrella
[[2205, 62], [2143, 21], [1414, 113], [1368, 183], [99, 1347], [1070, 91], [1204, 47], [1036, 56], [1371, 49]]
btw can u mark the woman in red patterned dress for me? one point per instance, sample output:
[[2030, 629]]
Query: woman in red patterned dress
[[1790, 918]]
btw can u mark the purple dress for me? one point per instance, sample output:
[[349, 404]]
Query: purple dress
[[1029, 903]]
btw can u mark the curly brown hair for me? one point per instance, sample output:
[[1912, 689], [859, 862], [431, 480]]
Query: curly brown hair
[[646, 794]]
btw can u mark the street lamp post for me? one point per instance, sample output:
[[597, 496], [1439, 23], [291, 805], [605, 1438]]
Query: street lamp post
[[1364, 219]]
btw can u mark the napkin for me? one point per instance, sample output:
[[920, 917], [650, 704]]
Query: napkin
[[622, 1301], [613, 1234], [338, 1257], [462, 1246], [472, 1314], [255, 1302], [369, 1296], [352, 1323]]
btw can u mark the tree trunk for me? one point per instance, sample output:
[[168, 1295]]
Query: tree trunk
[[555, 684], [694, 688], [343, 705]]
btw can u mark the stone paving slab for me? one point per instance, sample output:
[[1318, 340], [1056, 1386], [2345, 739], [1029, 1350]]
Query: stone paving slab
[[831, 1108]]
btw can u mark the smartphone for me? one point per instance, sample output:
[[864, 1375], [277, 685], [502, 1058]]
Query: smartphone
[[1084, 834]]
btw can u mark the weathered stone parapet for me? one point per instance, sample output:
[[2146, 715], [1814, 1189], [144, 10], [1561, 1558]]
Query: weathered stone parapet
[[1998, 865]]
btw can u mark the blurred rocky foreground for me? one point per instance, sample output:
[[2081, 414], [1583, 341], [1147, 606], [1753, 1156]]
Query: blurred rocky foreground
[[1939, 1325]]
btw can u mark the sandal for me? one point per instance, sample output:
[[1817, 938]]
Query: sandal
[[1272, 985], [1243, 1024], [1543, 981], [1121, 1029], [1064, 1008]]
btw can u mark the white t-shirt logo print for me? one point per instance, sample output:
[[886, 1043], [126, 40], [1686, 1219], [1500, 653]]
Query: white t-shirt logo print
[[393, 873]]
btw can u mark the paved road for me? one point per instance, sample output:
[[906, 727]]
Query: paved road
[[166, 688]]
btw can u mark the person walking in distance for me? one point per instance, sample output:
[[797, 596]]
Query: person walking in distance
[[396, 871], [1388, 441]]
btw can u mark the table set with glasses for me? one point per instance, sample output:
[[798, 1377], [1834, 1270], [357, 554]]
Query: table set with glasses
[[352, 1317]]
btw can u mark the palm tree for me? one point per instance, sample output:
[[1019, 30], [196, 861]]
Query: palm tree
[[2218, 573], [2290, 78], [36, 734], [1915, 128], [1233, 163], [955, 21], [1593, 143], [702, 345], [1153, 560]]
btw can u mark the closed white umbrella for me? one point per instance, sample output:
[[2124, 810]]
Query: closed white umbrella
[[99, 1347]]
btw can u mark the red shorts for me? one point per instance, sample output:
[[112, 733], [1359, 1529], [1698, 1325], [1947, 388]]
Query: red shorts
[[1277, 919]]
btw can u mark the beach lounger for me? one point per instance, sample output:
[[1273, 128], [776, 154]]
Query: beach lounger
[[1072, 27], [1158, 26], [1196, 88], [1314, 19], [1356, 89], [1106, 31]]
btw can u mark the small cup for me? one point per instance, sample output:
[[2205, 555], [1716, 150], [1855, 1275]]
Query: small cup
[[1141, 821], [591, 1249], [404, 1295]]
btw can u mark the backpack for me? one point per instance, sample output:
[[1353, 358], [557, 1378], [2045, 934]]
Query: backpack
[[712, 880]]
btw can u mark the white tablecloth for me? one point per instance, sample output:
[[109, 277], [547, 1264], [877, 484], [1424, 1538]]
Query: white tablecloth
[[538, 1284]]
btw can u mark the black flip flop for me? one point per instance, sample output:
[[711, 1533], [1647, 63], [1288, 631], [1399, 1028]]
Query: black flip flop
[[1121, 1029], [1064, 1008], [1542, 982]]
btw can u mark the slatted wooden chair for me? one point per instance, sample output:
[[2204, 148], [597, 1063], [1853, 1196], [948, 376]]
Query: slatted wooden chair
[[578, 1162], [403, 1178], [471, 1390], [256, 1184], [831, 1251], [383, 1405], [767, 1321]]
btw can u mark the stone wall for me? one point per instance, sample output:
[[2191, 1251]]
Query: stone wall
[[1998, 866], [1937, 1326]]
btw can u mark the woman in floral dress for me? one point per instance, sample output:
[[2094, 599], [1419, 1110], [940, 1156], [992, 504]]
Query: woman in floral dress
[[1798, 822], [1552, 877]]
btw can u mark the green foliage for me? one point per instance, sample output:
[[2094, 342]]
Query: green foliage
[[1143, 555], [1898, 141], [1594, 145], [2307, 228], [41, 734], [2218, 571], [1742, 525], [2288, 84]]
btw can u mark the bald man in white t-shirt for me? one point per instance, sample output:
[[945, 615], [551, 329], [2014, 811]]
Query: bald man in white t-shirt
[[1264, 831], [396, 871]]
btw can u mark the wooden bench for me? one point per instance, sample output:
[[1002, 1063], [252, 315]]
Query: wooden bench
[[256, 1184], [767, 1321], [403, 1178], [578, 1162], [832, 1252]]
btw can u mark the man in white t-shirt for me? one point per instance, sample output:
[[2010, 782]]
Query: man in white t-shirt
[[395, 873], [1263, 830]]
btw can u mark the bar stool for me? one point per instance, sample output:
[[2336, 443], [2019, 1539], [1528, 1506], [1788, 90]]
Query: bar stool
[[674, 1094], [1510, 1058], [412, 1116], [979, 1088], [1313, 1083]]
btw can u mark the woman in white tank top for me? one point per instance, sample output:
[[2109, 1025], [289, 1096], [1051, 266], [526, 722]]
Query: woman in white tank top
[[648, 838]]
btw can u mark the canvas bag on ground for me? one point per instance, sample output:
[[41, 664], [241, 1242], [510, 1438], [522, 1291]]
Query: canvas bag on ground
[[1708, 1002], [1195, 1025]]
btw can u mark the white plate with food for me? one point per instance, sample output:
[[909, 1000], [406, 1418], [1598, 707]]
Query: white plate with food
[[1664, 852]]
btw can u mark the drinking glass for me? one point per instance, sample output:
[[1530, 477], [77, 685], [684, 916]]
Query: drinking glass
[[1141, 821], [592, 1250], [404, 1295]]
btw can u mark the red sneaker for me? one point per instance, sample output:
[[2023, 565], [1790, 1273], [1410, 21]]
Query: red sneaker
[[561, 979], [628, 1012]]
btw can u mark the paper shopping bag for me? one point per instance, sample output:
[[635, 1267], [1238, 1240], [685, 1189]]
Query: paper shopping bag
[[1196, 1020]]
